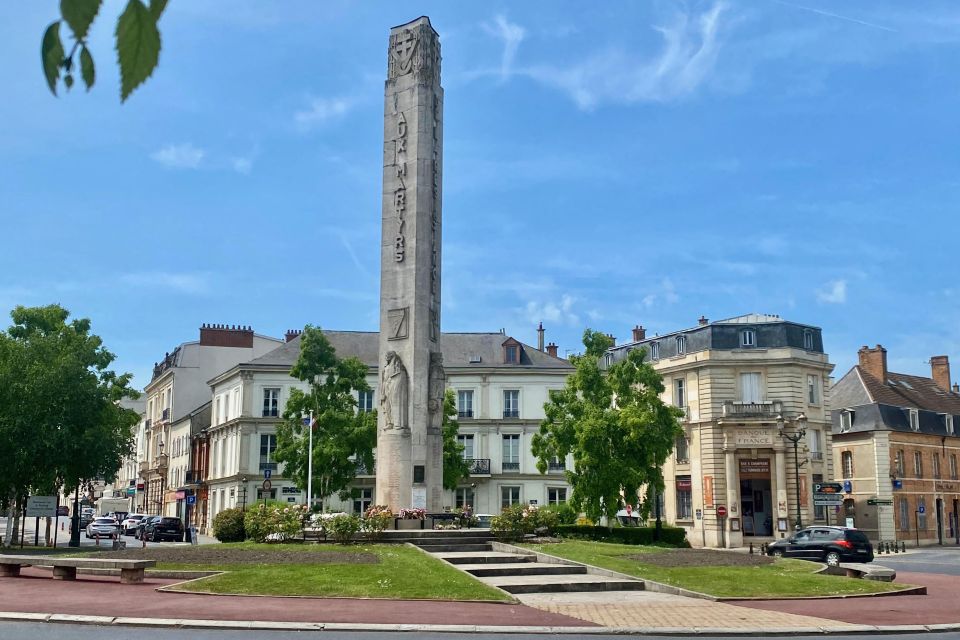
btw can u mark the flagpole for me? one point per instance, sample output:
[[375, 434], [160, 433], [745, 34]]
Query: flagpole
[[310, 466]]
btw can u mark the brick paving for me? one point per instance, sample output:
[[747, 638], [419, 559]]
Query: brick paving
[[657, 610]]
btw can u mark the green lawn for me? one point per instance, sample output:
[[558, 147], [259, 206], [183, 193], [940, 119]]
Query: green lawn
[[783, 578], [402, 572]]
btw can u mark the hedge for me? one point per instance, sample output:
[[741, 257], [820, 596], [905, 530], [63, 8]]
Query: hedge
[[626, 535]]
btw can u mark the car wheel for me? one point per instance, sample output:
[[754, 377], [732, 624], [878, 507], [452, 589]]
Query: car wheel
[[777, 553], [832, 558]]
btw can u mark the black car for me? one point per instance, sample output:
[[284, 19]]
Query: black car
[[165, 528], [142, 526], [832, 545]]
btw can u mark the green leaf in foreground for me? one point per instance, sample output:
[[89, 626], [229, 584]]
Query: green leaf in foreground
[[156, 8], [138, 46], [51, 53], [79, 14], [87, 70]]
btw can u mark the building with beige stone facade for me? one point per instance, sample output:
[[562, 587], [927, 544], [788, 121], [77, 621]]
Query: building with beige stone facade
[[896, 450], [736, 379]]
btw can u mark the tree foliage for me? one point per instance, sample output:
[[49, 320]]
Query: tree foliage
[[342, 436], [60, 418], [455, 468], [137, 44], [614, 423]]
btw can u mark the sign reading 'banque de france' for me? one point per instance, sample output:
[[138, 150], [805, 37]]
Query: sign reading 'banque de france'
[[753, 437]]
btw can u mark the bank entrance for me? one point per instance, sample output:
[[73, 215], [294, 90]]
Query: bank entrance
[[756, 497]]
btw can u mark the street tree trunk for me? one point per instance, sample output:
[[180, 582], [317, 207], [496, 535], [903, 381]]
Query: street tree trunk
[[11, 509]]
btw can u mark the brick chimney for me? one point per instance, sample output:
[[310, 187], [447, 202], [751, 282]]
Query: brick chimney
[[703, 321], [956, 387], [874, 362], [940, 370], [224, 335], [552, 350], [540, 337], [639, 333], [292, 333]]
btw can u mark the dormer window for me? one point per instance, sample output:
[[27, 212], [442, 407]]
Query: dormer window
[[846, 421], [808, 340], [914, 420], [748, 338], [511, 351], [949, 424], [681, 345], [654, 350]]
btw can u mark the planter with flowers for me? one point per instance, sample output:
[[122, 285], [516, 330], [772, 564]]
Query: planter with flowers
[[413, 519]]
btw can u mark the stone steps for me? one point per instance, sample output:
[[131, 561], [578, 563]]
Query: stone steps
[[484, 557], [490, 569], [561, 583], [453, 547]]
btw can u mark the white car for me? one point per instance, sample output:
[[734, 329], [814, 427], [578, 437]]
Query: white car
[[103, 528], [129, 524]]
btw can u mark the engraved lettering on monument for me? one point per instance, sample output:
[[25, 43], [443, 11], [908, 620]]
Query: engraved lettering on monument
[[394, 394], [397, 322]]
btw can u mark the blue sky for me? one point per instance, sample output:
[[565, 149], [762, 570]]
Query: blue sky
[[603, 168]]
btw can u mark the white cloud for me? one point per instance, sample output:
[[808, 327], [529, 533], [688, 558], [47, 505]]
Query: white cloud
[[242, 164], [690, 50], [512, 35], [322, 110], [561, 312], [834, 292], [179, 156], [192, 283]]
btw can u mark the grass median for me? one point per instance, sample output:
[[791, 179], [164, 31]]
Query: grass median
[[354, 571], [717, 573]]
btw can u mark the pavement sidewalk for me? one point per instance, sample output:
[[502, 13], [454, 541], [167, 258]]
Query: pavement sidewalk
[[103, 600]]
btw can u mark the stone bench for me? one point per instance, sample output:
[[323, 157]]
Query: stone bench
[[131, 571], [866, 571]]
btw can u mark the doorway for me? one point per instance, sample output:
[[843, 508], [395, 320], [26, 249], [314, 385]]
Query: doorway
[[756, 507]]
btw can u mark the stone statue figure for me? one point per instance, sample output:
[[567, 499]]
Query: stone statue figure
[[437, 383], [394, 393]]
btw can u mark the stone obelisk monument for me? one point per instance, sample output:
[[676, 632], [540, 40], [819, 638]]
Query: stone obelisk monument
[[409, 440]]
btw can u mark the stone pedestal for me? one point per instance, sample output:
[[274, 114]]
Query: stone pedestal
[[64, 573]]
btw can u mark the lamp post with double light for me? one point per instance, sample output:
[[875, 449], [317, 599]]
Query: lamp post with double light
[[799, 425]]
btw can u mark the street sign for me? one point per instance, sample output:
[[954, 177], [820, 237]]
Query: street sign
[[827, 487], [41, 506], [267, 473], [921, 509], [722, 511], [191, 499], [827, 500], [879, 501], [267, 485]]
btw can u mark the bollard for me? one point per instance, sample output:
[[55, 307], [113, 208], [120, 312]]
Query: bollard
[[751, 548], [896, 549]]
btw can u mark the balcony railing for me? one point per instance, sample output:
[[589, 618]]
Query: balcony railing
[[770, 409], [479, 466], [511, 413], [165, 415], [557, 466], [816, 455], [511, 466], [272, 466], [193, 476]]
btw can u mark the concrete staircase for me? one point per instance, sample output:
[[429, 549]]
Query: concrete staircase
[[516, 573]]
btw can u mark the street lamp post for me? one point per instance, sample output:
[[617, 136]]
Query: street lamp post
[[161, 467], [800, 430], [310, 463]]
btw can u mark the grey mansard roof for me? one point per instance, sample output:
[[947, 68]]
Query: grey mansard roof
[[458, 350]]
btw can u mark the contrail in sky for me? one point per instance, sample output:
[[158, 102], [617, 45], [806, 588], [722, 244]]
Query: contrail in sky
[[835, 15]]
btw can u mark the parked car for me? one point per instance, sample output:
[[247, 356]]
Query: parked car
[[63, 510], [832, 545], [86, 516], [142, 525], [103, 528], [128, 526], [164, 528]]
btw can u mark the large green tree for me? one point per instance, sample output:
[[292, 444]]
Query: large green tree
[[342, 436], [614, 423], [455, 468], [60, 418]]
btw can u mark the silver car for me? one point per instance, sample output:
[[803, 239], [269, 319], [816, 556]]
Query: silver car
[[103, 528]]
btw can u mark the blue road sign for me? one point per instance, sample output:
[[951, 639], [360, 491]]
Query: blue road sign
[[191, 499], [266, 474], [921, 509]]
